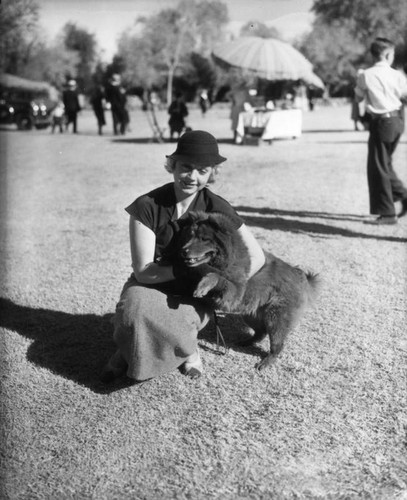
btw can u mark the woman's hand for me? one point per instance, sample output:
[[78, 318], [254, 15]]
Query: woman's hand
[[142, 245]]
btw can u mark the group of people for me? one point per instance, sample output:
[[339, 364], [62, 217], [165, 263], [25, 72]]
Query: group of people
[[65, 113], [66, 110], [156, 328]]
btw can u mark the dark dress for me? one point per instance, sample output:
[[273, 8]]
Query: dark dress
[[178, 112], [156, 329], [116, 95]]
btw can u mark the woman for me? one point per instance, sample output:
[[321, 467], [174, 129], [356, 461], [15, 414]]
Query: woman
[[178, 112], [155, 328]]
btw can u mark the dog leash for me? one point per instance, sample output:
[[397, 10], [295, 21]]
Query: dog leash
[[219, 336]]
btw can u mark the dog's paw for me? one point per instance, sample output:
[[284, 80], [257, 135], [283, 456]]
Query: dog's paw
[[264, 363], [206, 284]]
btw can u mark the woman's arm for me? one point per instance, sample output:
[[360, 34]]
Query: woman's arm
[[142, 246], [257, 258]]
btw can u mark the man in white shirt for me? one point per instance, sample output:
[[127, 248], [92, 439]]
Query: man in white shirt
[[384, 89]]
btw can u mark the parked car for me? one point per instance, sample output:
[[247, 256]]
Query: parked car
[[25, 103]]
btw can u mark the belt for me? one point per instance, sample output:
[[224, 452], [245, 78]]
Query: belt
[[388, 114]]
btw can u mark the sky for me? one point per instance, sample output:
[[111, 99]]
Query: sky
[[107, 19]]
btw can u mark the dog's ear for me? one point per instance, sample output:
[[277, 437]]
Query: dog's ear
[[219, 221]]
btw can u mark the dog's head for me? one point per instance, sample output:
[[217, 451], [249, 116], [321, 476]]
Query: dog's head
[[205, 238]]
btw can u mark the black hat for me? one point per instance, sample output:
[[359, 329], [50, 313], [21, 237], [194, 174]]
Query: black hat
[[198, 147]]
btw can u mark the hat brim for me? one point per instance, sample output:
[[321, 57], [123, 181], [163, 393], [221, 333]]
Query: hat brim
[[201, 160]]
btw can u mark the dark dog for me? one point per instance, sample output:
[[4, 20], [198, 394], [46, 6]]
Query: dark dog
[[216, 265]]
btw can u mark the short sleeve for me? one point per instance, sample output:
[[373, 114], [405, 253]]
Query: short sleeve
[[143, 210]]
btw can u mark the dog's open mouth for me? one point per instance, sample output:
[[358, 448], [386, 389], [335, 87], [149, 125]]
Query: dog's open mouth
[[196, 261]]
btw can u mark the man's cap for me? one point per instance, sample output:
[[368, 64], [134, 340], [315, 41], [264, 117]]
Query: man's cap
[[199, 148]]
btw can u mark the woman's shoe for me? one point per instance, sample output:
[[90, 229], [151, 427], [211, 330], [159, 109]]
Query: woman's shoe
[[193, 367]]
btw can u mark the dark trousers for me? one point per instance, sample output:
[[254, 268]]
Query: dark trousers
[[385, 187], [119, 123], [72, 117]]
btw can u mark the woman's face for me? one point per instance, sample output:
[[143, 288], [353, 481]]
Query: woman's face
[[190, 178]]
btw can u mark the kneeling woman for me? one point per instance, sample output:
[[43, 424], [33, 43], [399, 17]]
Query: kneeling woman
[[155, 328]]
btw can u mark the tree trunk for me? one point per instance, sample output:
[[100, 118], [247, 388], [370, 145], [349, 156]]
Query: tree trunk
[[171, 71]]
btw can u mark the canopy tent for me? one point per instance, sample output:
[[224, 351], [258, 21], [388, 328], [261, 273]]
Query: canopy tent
[[266, 58]]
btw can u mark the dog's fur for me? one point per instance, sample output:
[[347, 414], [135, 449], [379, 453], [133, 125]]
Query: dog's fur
[[216, 264]]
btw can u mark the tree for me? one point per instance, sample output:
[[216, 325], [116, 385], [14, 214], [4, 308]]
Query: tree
[[18, 34], [334, 53], [164, 42], [256, 28], [52, 63], [83, 43], [367, 18], [342, 34]]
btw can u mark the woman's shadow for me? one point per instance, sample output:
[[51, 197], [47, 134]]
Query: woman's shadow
[[73, 346], [77, 346]]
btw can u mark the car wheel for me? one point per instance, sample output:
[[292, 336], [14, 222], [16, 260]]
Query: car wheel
[[24, 122]]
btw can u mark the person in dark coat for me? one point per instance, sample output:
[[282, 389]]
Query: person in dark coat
[[116, 95], [177, 111], [97, 101], [72, 106]]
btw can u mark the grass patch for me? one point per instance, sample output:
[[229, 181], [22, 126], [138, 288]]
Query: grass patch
[[327, 421]]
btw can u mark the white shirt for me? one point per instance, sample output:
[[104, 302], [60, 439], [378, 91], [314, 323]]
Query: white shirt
[[382, 87]]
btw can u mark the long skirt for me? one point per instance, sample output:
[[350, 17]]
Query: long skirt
[[155, 330]]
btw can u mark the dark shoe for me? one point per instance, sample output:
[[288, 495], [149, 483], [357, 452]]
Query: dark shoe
[[383, 220], [403, 208], [115, 368]]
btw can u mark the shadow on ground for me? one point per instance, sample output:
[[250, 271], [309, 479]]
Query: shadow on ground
[[312, 228], [76, 346], [152, 140], [73, 346]]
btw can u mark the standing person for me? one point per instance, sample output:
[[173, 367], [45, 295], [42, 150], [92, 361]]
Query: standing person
[[156, 328], [204, 101], [57, 117], [178, 111], [116, 95], [72, 106], [98, 104], [238, 97], [383, 88]]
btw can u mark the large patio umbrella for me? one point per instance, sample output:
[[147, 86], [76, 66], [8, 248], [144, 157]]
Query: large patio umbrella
[[267, 58]]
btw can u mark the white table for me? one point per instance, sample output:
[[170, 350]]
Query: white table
[[270, 124]]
